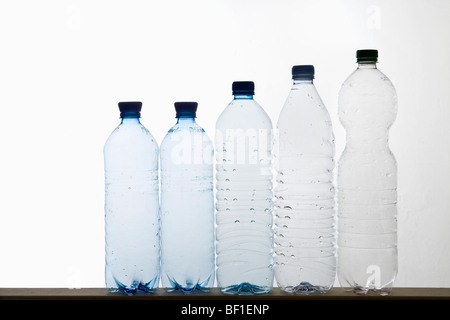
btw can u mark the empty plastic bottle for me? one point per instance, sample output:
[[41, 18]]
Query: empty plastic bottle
[[187, 204], [367, 180], [305, 253], [244, 195], [131, 205]]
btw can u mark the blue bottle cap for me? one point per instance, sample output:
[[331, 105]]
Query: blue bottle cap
[[130, 109], [186, 109], [243, 87], [303, 72]]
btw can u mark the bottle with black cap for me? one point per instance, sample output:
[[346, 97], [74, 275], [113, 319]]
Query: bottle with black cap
[[367, 180], [131, 205], [187, 204], [244, 195], [305, 254]]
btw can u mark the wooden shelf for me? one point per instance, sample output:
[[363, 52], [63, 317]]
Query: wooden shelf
[[214, 294]]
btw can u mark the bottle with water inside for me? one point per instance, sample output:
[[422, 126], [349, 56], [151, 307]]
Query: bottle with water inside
[[244, 195], [131, 205], [187, 204], [305, 253], [367, 180]]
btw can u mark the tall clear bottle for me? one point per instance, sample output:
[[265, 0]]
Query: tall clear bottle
[[187, 204], [244, 195], [367, 180], [305, 253], [131, 205]]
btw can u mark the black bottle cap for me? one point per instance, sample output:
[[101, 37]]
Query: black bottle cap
[[186, 109], [303, 72], [130, 109], [243, 87], [367, 55]]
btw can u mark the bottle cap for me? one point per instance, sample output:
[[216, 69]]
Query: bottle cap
[[303, 72], [186, 109], [130, 109], [367, 55], [243, 87]]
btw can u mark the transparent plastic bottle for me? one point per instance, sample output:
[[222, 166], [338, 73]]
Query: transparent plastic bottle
[[244, 195], [367, 180], [131, 205], [305, 245], [187, 204]]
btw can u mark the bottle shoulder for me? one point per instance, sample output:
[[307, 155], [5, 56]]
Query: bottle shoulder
[[368, 80], [303, 100], [367, 98], [243, 113], [180, 131], [131, 135]]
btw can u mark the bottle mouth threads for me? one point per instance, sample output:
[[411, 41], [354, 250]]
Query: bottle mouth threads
[[303, 72], [367, 56], [243, 88], [186, 109], [130, 109]]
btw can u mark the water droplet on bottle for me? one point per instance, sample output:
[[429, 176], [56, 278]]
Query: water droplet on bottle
[[236, 221], [234, 199], [252, 221]]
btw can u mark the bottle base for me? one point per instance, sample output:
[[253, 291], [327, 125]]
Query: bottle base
[[245, 289], [130, 291], [306, 288], [187, 290], [115, 286], [359, 290]]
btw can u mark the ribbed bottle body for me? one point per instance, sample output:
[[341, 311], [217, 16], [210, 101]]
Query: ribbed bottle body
[[305, 245], [367, 183], [131, 209], [244, 199], [187, 208]]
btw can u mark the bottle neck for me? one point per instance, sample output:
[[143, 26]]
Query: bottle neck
[[302, 81], [185, 120], [130, 120], [367, 65], [243, 96]]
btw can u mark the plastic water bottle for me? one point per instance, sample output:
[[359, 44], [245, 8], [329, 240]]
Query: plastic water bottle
[[305, 253], [244, 195], [187, 204], [131, 205], [367, 180]]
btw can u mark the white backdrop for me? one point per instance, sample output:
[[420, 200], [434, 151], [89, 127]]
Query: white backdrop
[[65, 64]]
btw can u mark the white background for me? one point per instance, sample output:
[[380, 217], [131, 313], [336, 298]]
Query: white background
[[64, 66]]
